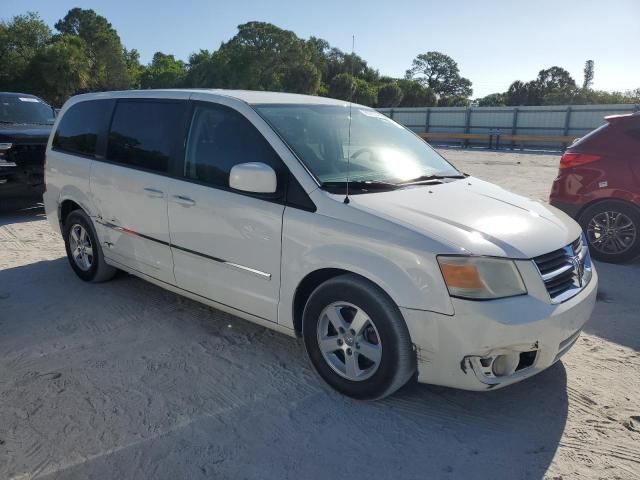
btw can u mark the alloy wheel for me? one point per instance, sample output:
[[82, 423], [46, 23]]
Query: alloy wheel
[[80, 247], [611, 232], [349, 341]]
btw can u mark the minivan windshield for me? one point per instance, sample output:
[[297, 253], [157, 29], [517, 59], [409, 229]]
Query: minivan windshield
[[25, 110], [381, 152]]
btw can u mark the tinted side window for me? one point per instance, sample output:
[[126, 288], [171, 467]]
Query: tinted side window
[[592, 135], [81, 126], [634, 133], [146, 134], [220, 138]]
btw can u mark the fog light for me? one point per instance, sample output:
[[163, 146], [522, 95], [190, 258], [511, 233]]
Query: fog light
[[505, 365]]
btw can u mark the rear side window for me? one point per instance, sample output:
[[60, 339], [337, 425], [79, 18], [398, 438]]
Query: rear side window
[[219, 138], [591, 135], [81, 126], [634, 133], [146, 134]]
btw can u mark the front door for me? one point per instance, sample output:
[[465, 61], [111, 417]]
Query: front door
[[226, 244]]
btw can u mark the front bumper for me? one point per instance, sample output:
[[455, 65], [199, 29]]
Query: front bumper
[[449, 348], [22, 171]]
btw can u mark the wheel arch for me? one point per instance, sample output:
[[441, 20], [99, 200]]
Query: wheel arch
[[65, 207], [306, 286], [312, 281], [597, 201]]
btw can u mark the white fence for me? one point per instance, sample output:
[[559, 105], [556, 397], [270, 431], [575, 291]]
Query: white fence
[[560, 120]]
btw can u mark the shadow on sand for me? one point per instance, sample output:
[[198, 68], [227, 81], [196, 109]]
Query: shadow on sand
[[617, 312]]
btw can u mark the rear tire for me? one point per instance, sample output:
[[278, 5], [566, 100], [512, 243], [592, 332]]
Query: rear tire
[[612, 229], [356, 338], [83, 249]]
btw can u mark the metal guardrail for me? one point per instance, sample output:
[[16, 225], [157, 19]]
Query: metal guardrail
[[494, 139]]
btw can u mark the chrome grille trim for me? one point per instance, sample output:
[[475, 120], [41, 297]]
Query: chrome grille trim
[[566, 271]]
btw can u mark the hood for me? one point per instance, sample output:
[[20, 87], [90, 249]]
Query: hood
[[476, 217], [22, 133]]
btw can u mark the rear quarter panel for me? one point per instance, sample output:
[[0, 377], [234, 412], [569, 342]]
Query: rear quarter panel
[[66, 178]]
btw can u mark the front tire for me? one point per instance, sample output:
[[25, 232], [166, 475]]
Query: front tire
[[356, 338], [83, 249], [613, 231]]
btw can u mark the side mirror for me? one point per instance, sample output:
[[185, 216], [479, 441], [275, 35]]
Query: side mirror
[[254, 177]]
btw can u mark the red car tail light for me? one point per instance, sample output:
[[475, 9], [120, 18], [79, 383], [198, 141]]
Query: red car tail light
[[571, 159]]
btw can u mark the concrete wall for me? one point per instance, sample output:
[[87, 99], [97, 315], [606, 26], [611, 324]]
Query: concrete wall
[[562, 120]]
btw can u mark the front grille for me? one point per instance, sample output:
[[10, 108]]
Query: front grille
[[27, 155], [23, 165], [565, 271]]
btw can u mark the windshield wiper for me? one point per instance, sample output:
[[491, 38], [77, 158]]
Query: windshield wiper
[[361, 185], [428, 178]]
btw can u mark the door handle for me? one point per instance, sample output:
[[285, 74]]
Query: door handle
[[184, 201], [153, 193]]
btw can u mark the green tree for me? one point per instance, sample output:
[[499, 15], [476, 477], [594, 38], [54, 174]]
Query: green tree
[[520, 93], [566, 95], [454, 101], [134, 68], [21, 39], [389, 95], [60, 70], [258, 57], [415, 94], [633, 96], [588, 74], [340, 62], [493, 100], [441, 74], [301, 77], [319, 55], [594, 97], [554, 78], [346, 87], [103, 47], [342, 87], [199, 69], [164, 71], [365, 93]]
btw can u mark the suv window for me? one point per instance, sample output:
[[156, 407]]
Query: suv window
[[591, 135], [220, 138], [634, 133], [81, 126], [145, 134], [18, 108]]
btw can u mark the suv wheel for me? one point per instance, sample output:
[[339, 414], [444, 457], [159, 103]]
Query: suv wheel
[[356, 338], [83, 249], [613, 231]]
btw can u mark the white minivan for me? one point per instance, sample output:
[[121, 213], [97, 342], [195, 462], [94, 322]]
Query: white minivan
[[324, 220]]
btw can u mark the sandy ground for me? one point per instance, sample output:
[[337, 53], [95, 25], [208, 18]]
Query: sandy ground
[[125, 380]]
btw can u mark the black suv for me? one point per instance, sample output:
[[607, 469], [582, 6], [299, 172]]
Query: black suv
[[25, 123]]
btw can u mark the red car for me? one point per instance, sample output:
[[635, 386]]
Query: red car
[[599, 185]]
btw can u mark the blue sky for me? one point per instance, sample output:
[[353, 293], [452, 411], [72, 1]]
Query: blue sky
[[494, 42]]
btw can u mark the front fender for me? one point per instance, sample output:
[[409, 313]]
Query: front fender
[[397, 263]]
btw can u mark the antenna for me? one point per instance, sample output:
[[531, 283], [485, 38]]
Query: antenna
[[353, 48]]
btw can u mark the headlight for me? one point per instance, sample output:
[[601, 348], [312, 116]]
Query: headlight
[[4, 147], [481, 278]]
